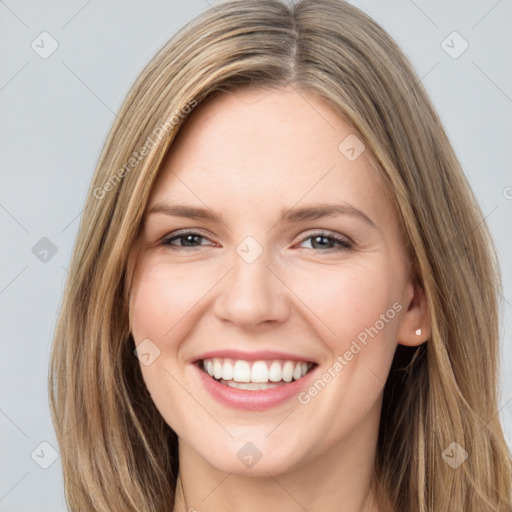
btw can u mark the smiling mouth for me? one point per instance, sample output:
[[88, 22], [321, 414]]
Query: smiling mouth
[[255, 375]]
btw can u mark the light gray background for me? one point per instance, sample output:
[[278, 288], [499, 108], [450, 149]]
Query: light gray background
[[55, 114]]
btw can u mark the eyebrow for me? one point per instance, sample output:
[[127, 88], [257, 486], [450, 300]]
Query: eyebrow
[[290, 216], [323, 210]]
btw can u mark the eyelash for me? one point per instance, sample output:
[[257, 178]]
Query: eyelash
[[345, 244]]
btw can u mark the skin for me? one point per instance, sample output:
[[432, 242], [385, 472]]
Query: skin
[[247, 156]]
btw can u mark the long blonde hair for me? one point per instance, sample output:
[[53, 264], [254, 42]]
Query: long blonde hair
[[118, 454]]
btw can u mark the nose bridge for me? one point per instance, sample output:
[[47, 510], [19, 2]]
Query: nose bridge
[[251, 294]]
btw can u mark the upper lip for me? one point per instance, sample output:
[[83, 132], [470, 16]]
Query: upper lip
[[250, 356]]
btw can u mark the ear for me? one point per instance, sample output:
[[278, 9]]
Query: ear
[[416, 315]]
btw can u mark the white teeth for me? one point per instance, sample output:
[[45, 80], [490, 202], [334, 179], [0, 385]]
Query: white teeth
[[242, 372], [297, 372], [255, 372], [288, 371], [217, 369], [227, 370], [259, 372], [275, 373], [253, 386]]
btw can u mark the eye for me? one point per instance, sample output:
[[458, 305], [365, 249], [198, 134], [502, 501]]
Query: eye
[[320, 241], [187, 241], [323, 240]]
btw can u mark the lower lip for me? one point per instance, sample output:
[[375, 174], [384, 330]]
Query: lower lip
[[257, 400]]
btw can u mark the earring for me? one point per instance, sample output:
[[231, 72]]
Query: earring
[[418, 332]]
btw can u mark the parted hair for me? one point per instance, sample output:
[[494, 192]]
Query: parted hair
[[118, 454]]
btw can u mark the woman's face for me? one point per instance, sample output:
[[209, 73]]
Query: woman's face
[[240, 270]]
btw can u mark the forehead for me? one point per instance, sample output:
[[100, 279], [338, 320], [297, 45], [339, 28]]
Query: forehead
[[269, 148], [253, 121]]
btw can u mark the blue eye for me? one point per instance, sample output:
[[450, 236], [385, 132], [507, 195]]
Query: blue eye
[[188, 241], [326, 238]]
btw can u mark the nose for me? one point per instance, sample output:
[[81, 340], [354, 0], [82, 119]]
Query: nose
[[252, 294]]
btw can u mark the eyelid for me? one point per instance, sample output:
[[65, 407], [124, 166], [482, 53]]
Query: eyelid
[[327, 233], [187, 231]]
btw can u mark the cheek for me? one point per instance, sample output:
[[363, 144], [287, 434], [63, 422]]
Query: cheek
[[161, 299], [358, 314], [350, 299], [161, 310]]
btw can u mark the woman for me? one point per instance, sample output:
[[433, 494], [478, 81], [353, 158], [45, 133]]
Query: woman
[[211, 353]]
